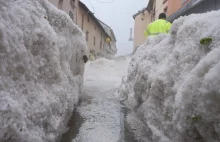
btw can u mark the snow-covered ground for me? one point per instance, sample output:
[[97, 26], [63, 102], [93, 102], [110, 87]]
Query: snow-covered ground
[[173, 84], [99, 107], [41, 70]]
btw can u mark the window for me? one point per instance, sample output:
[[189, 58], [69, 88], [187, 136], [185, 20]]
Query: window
[[60, 4], [88, 18], [73, 3], [142, 16], [101, 45], [95, 27], [71, 15], [94, 41], [87, 36]]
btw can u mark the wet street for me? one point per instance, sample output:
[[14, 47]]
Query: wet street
[[100, 116]]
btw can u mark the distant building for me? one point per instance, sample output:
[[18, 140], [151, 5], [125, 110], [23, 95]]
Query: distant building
[[100, 38], [145, 16], [141, 19], [109, 47]]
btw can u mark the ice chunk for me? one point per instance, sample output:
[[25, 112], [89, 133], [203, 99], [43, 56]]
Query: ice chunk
[[41, 68], [172, 85]]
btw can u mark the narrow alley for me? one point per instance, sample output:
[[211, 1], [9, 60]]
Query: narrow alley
[[100, 115], [117, 71]]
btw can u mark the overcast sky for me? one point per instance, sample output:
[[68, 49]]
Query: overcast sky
[[118, 15]]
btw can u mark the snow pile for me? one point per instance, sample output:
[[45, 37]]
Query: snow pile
[[173, 84], [101, 63], [105, 70], [41, 65]]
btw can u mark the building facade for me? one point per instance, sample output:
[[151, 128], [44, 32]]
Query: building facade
[[109, 48], [69, 6], [94, 33], [141, 20], [174, 5], [161, 6], [144, 17], [187, 7], [100, 42]]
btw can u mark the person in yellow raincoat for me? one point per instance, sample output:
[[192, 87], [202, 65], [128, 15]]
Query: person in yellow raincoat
[[92, 57], [159, 26]]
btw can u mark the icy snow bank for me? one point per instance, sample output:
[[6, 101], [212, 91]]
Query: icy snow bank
[[41, 65], [101, 62], [173, 83]]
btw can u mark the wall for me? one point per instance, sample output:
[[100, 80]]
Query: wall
[[160, 7], [174, 5], [141, 22], [94, 31], [109, 47], [67, 7]]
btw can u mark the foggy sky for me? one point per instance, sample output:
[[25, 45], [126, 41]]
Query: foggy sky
[[118, 15]]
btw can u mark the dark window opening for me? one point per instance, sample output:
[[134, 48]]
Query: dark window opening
[[73, 3], [71, 15], [87, 36], [88, 18], [60, 4], [94, 41]]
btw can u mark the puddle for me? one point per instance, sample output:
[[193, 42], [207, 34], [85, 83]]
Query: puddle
[[74, 125], [128, 134]]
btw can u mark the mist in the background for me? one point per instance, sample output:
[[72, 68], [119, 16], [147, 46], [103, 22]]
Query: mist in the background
[[118, 14]]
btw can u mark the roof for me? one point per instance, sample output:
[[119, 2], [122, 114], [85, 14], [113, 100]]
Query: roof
[[108, 30], [149, 8], [183, 10], [139, 12], [83, 6]]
